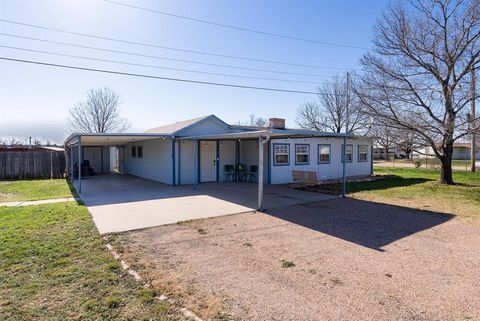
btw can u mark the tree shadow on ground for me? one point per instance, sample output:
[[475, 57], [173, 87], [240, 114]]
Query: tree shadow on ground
[[365, 223]]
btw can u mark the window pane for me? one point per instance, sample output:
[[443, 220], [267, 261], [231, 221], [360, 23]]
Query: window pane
[[324, 153], [281, 159], [281, 154], [140, 151], [302, 158], [134, 151]]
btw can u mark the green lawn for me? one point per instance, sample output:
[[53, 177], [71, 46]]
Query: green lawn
[[418, 188], [54, 266], [31, 190]]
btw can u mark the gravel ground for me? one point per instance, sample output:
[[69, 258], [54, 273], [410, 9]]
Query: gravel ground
[[354, 260]]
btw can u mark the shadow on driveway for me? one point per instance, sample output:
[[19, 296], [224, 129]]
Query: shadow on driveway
[[365, 223]]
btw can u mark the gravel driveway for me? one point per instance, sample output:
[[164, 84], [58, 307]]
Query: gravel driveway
[[353, 260]]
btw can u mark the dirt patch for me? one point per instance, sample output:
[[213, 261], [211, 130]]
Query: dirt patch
[[334, 260], [6, 195]]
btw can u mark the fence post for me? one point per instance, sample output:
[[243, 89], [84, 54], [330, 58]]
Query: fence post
[[51, 165]]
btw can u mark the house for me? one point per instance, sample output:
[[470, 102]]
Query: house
[[394, 151], [205, 149], [461, 151]]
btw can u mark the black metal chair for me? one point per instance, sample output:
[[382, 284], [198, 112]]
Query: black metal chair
[[229, 173], [252, 173]]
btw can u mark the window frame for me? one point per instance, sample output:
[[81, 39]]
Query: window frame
[[139, 148], [275, 154], [341, 149], [319, 146], [366, 153], [308, 155], [134, 151]]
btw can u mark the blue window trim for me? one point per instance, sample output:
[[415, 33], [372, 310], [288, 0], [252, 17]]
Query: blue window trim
[[308, 162], [273, 151], [329, 153], [341, 149], [358, 153]]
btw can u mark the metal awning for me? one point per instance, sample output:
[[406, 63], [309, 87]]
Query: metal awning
[[105, 139]]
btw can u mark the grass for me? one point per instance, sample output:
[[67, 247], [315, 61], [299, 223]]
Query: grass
[[419, 188], [54, 266], [32, 190], [287, 264]]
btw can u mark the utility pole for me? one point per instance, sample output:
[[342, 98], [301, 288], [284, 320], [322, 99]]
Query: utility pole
[[347, 116], [473, 146]]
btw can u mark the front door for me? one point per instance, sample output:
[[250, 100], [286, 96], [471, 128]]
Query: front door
[[208, 161]]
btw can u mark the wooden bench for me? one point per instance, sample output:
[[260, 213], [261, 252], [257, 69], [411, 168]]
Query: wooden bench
[[304, 177]]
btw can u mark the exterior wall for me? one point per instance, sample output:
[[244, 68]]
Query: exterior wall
[[249, 156], [461, 153], [209, 126], [156, 163], [227, 151], [281, 174], [186, 161]]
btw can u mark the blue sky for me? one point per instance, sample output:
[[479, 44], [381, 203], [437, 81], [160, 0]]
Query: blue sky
[[34, 100]]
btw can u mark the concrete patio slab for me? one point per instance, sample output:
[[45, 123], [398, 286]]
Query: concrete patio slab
[[121, 203]]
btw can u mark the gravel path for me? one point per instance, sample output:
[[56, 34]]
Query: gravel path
[[354, 260]]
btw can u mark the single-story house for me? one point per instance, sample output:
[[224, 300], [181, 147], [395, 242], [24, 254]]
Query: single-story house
[[206, 149], [461, 151]]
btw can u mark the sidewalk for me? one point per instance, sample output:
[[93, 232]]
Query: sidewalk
[[48, 201]]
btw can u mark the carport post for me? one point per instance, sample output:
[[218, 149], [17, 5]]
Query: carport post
[[195, 151], [79, 189], [344, 177], [261, 141], [71, 164]]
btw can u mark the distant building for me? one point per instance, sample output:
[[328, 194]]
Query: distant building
[[461, 151]]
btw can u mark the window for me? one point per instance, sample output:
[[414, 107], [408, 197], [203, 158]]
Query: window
[[134, 151], [281, 154], [324, 154], [302, 154], [348, 153], [140, 151], [362, 153]]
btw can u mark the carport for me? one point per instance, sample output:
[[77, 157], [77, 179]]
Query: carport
[[124, 202]]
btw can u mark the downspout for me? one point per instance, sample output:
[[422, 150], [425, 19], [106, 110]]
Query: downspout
[[261, 142]]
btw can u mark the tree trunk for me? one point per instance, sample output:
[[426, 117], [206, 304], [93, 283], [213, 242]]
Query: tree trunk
[[446, 176]]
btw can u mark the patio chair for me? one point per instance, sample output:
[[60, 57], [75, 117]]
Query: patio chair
[[241, 169], [252, 173], [229, 172]]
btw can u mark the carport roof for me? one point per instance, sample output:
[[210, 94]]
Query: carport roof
[[104, 139]]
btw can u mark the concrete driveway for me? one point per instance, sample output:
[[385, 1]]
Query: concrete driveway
[[122, 203]]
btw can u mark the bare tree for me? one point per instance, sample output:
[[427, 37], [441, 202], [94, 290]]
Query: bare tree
[[99, 113], [407, 140], [337, 110], [383, 136], [418, 75], [254, 121]]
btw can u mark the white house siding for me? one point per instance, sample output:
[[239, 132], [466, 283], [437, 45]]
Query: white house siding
[[283, 174], [227, 151], [156, 163], [186, 161]]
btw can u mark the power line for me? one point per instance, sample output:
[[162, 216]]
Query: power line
[[171, 48], [157, 77], [154, 66], [237, 28], [160, 57]]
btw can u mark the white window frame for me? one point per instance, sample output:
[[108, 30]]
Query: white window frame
[[306, 152]]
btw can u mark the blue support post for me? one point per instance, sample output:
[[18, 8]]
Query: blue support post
[[173, 162], [344, 152], [79, 189]]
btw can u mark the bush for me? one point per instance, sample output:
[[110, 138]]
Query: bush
[[417, 163]]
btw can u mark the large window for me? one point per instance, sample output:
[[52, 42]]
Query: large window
[[302, 154], [140, 151], [324, 154], [134, 151], [281, 154], [348, 153], [362, 153]]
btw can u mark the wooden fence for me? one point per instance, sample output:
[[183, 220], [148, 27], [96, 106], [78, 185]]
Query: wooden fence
[[32, 164]]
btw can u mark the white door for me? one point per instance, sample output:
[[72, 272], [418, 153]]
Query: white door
[[208, 161]]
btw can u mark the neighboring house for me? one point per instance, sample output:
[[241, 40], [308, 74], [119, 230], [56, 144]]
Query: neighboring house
[[461, 151], [205, 149], [394, 151]]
